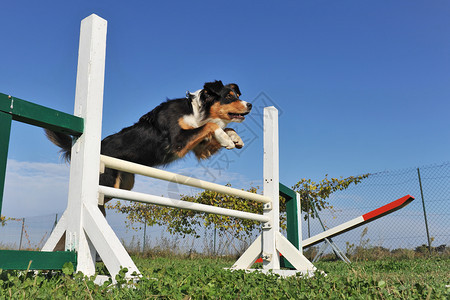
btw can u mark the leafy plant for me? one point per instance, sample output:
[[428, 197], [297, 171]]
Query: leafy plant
[[3, 220], [316, 193], [206, 278], [68, 269], [187, 222]]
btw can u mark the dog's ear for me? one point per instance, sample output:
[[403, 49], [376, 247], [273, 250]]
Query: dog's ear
[[213, 88], [235, 88]]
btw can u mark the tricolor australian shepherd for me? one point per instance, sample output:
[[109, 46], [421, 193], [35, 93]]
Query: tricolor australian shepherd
[[171, 130]]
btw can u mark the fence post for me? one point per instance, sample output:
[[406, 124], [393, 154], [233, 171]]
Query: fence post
[[21, 233], [424, 211], [145, 234], [308, 215], [214, 253]]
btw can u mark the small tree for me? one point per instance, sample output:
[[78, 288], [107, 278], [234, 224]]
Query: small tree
[[317, 193], [187, 222], [3, 220]]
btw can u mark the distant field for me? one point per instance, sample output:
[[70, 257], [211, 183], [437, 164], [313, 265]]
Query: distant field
[[205, 278]]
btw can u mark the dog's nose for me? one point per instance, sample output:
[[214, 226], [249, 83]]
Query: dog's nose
[[249, 106]]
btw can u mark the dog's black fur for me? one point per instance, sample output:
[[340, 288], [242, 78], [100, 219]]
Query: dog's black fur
[[171, 130]]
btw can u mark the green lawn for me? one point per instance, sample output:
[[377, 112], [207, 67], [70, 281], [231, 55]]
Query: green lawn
[[201, 278]]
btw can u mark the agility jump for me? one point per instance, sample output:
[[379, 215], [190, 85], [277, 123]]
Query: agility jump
[[85, 228]]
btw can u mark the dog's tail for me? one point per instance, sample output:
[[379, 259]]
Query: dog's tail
[[63, 141]]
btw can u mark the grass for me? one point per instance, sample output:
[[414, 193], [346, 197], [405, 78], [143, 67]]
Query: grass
[[205, 278], [392, 278]]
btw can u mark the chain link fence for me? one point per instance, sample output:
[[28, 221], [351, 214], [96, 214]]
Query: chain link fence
[[28, 233], [425, 221]]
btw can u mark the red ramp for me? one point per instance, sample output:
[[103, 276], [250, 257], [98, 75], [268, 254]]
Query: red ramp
[[359, 221]]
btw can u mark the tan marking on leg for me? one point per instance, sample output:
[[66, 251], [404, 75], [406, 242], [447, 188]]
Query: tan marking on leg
[[124, 181], [206, 132], [117, 183]]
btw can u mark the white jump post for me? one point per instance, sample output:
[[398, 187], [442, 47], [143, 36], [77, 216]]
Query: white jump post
[[84, 226], [271, 259], [271, 242]]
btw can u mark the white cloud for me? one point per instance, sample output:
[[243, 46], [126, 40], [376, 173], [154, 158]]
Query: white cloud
[[34, 188], [40, 189]]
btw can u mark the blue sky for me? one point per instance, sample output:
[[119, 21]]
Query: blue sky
[[362, 86]]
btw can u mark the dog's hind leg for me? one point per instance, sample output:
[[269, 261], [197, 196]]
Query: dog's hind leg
[[116, 179]]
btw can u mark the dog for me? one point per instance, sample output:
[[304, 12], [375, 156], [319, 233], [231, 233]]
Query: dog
[[196, 123]]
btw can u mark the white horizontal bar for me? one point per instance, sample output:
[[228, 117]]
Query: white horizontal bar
[[126, 166], [146, 198]]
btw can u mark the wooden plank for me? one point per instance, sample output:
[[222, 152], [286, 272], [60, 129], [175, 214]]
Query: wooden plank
[[292, 222], [293, 255], [388, 208], [57, 234], [163, 201], [292, 209], [126, 166], [85, 160], [286, 192], [5, 130], [41, 116], [271, 259], [19, 260], [111, 250], [359, 221], [250, 256]]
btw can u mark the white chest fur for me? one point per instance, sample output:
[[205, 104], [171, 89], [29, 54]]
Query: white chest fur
[[196, 119]]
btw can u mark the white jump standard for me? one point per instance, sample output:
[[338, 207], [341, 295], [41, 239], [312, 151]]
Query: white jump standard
[[84, 226]]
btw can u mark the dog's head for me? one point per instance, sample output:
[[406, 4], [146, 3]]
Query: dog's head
[[222, 102]]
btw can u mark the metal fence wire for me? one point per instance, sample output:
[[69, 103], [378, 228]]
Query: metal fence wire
[[425, 221]]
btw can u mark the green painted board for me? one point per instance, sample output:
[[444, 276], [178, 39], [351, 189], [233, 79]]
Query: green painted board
[[37, 115], [5, 130], [291, 214], [19, 260], [287, 192], [291, 219]]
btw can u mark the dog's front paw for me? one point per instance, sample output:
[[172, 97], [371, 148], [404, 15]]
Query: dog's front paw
[[223, 139], [238, 142]]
